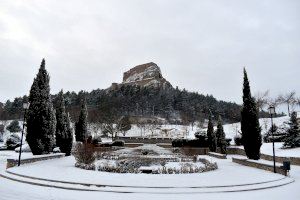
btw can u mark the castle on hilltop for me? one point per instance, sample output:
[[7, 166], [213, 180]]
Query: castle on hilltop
[[146, 75]]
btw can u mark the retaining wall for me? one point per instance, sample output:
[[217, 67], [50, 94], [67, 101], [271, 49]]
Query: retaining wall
[[238, 151], [14, 162], [217, 155], [262, 166]]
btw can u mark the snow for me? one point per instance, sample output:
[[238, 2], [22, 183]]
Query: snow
[[25, 148], [149, 147], [267, 148], [6, 133], [149, 72], [63, 169]]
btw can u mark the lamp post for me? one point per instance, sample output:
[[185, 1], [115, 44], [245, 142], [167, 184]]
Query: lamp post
[[25, 107], [272, 112]]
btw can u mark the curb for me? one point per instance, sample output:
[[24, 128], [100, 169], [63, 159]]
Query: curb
[[131, 187]]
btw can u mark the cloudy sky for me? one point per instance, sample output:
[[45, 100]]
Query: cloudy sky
[[200, 45]]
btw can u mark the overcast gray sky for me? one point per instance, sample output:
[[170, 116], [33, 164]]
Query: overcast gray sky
[[200, 45]]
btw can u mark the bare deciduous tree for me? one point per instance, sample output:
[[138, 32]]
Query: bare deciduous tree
[[261, 99], [113, 127], [288, 99]]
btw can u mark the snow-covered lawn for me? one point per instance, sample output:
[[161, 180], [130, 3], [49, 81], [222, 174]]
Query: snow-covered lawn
[[228, 174], [267, 148], [63, 169]]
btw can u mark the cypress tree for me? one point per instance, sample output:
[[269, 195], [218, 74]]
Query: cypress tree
[[68, 138], [81, 125], [221, 141], [251, 131], [40, 119], [292, 139], [64, 136], [211, 136]]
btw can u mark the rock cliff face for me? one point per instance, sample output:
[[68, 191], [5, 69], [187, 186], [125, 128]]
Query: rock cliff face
[[148, 74]]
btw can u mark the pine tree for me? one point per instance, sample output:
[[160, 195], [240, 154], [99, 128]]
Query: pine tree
[[251, 131], [292, 139], [221, 141], [64, 136], [40, 118], [81, 125], [211, 136]]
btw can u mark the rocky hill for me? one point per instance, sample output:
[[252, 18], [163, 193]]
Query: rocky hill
[[145, 75]]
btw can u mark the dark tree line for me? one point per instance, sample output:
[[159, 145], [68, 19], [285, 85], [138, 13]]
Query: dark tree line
[[172, 104]]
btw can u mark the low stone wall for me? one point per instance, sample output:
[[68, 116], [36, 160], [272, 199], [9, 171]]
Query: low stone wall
[[293, 160], [239, 151], [164, 145], [234, 151], [189, 151], [257, 165], [145, 140], [14, 162], [132, 145], [217, 155]]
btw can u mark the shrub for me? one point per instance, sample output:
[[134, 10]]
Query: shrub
[[279, 134], [96, 140], [14, 127], [13, 141], [118, 143], [190, 143], [201, 135], [179, 142], [238, 140], [84, 153], [25, 148], [228, 140]]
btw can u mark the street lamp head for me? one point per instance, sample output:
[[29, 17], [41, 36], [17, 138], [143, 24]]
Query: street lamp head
[[25, 106], [272, 110]]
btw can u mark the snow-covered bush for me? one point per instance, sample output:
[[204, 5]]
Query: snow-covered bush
[[25, 148], [13, 141], [118, 143], [238, 140], [14, 127], [56, 150], [279, 134], [84, 153], [292, 139], [96, 140]]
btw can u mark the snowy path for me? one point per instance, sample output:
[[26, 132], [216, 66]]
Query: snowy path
[[64, 170], [15, 190]]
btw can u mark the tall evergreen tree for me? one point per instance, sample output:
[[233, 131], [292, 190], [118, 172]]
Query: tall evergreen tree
[[81, 125], [211, 136], [40, 119], [221, 141], [68, 138], [292, 139], [64, 136], [251, 131]]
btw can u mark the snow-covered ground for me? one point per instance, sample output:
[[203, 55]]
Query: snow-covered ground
[[232, 130], [63, 169], [180, 131], [267, 148]]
